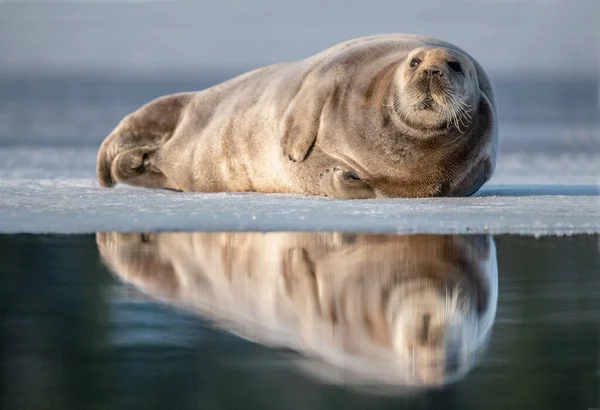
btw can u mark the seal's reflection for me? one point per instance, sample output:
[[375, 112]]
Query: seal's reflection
[[408, 310]]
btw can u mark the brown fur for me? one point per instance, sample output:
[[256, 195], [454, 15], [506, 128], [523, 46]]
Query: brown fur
[[355, 121]]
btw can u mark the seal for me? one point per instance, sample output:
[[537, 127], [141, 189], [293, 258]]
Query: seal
[[413, 310], [384, 116]]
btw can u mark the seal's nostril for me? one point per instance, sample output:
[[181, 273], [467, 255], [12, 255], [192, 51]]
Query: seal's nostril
[[434, 72]]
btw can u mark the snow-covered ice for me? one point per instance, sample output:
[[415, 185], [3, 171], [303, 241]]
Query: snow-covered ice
[[52, 189]]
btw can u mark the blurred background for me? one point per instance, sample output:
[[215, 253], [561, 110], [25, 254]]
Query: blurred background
[[69, 70]]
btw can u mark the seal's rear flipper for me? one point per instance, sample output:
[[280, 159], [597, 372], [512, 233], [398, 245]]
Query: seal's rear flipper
[[147, 130], [138, 167]]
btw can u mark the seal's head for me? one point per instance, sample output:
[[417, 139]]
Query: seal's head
[[436, 88]]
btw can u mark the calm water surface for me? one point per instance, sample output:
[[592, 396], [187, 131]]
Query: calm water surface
[[280, 320]]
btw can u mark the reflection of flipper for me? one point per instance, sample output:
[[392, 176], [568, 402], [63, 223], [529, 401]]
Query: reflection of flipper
[[145, 267], [300, 280], [343, 184]]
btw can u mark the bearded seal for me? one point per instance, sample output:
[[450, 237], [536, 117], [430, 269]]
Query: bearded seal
[[383, 116], [413, 310]]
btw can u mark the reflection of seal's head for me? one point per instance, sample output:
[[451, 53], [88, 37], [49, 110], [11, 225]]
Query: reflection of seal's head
[[436, 88], [434, 331]]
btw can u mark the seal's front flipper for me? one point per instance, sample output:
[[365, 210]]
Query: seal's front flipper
[[344, 184], [300, 123]]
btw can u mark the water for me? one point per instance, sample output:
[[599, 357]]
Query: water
[[283, 320]]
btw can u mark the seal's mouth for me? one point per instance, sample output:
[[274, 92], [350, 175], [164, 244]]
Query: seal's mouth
[[437, 95], [437, 84], [435, 92], [427, 103]]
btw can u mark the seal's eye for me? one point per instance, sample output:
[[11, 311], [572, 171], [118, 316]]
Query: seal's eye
[[455, 66], [415, 62]]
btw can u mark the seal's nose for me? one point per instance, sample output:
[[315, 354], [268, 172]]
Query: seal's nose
[[433, 72]]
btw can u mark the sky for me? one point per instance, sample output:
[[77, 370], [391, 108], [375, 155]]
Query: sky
[[145, 37]]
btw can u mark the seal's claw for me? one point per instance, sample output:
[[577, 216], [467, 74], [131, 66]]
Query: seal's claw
[[351, 176]]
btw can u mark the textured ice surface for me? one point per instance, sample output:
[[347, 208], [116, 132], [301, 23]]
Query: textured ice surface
[[54, 190]]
